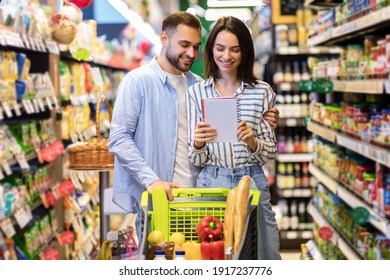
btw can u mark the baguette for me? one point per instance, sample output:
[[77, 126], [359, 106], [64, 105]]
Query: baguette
[[229, 219], [240, 211]]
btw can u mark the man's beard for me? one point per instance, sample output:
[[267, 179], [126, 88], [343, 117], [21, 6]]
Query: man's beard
[[175, 61]]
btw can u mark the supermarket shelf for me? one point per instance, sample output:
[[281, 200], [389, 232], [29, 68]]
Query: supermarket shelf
[[375, 219], [322, 131], [366, 149], [296, 192], [320, 38], [360, 86], [373, 152], [382, 224], [321, 3], [286, 86], [294, 157], [372, 20], [291, 122], [28, 158], [296, 234], [337, 240], [313, 249], [331, 184], [307, 50]]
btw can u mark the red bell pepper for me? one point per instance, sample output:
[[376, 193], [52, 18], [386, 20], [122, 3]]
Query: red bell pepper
[[209, 226], [213, 250]]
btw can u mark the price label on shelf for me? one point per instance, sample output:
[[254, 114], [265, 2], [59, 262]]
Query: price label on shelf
[[56, 102], [387, 86], [41, 105], [7, 109], [22, 162], [31, 106], [17, 109], [25, 106], [7, 227], [291, 122], [23, 216], [97, 76], [49, 103], [36, 106], [6, 168], [25, 41]]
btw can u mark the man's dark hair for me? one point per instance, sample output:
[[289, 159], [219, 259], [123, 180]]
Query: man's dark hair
[[173, 20], [238, 28]]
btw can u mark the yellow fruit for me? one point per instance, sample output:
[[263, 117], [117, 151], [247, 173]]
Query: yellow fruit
[[155, 237], [178, 238]]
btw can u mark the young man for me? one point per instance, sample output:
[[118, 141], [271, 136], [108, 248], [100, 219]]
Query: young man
[[148, 134]]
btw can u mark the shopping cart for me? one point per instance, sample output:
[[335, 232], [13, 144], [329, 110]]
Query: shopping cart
[[187, 209]]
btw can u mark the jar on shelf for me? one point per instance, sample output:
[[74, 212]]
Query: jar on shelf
[[361, 119], [385, 127], [335, 116], [375, 127], [369, 187]]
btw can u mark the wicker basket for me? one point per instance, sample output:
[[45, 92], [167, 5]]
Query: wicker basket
[[92, 156]]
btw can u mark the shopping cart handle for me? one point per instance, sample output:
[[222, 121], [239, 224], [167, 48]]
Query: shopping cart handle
[[199, 192]]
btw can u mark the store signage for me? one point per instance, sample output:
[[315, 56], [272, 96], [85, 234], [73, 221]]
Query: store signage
[[323, 86], [325, 233], [306, 85], [360, 215]]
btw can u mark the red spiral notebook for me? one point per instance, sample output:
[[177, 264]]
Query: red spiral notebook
[[222, 114]]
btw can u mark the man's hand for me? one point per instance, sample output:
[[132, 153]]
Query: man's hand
[[272, 117], [167, 186]]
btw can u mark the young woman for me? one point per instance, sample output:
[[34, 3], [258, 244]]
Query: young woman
[[228, 71]]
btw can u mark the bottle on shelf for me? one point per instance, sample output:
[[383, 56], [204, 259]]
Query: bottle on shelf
[[296, 72], [289, 143], [305, 71], [288, 77], [285, 220], [281, 177], [301, 215], [305, 108], [290, 176], [289, 106], [305, 175], [278, 76], [296, 98], [282, 142], [297, 141], [298, 175], [294, 221]]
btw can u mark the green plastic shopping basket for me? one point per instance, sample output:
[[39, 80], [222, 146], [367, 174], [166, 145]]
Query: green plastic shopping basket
[[187, 209]]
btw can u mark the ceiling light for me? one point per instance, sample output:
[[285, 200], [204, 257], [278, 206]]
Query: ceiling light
[[235, 3], [215, 14], [144, 28]]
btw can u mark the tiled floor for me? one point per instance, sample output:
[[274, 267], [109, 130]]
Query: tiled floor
[[290, 255]]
